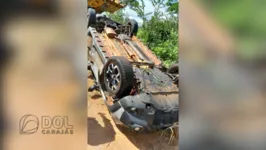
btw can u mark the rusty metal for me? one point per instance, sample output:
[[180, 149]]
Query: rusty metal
[[130, 52], [98, 45], [147, 51], [113, 45], [110, 46], [110, 32], [142, 56], [156, 82]]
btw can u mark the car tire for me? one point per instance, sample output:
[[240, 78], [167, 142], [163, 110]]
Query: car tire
[[134, 27], [91, 16], [174, 69], [118, 76]]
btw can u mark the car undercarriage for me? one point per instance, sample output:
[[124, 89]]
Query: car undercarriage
[[138, 90]]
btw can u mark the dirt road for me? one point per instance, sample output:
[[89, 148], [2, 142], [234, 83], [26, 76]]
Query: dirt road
[[104, 135]]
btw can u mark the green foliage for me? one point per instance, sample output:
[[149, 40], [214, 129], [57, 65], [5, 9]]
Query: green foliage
[[173, 6], [118, 16], [160, 33]]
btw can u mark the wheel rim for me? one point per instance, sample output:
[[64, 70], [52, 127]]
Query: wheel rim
[[113, 77]]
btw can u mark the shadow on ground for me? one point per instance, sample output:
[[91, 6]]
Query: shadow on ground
[[98, 134], [96, 96], [148, 141]]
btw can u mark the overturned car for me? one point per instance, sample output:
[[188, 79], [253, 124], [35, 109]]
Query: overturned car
[[138, 91]]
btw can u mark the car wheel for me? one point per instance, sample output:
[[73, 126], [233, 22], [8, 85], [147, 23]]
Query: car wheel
[[118, 76], [91, 16], [174, 69], [134, 27]]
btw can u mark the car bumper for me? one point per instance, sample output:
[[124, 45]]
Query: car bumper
[[138, 116]]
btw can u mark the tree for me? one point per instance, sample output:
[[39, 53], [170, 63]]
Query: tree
[[173, 6], [119, 16], [161, 33], [139, 7]]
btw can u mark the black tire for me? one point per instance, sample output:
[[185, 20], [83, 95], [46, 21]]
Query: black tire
[[134, 27], [91, 16], [174, 69], [118, 85]]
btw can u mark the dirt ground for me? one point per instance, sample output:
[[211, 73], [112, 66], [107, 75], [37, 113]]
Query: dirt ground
[[104, 135]]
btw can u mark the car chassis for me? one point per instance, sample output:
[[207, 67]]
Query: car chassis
[[152, 102]]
